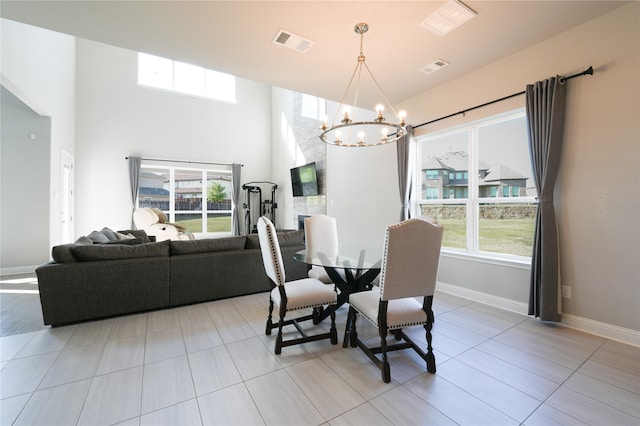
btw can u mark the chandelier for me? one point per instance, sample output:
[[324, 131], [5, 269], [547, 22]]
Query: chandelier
[[348, 132]]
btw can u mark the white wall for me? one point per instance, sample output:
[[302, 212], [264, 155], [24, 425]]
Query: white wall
[[38, 67], [116, 118], [597, 196]]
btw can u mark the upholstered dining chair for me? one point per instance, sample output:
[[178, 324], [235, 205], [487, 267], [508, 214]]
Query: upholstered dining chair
[[305, 293], [409, 270], [321, 234]]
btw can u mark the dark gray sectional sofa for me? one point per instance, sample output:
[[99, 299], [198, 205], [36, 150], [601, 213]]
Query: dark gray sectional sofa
[[98, 279]]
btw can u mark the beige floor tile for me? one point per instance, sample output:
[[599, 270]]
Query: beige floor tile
[[252, 358], [365, 414], [201, 335], [89, 333], [548, 369], [228, 321], [11, 345], [128, 326], [328, 392], [10, 408], [403, 407], [281, 402], [213, 369], [122, 354], [44, 341], [193, 314], [455, 403], [113, 398], [163, 344], [162, 320], [60, 405], [358, 370], [184, 414], [613, 396], [166, 383], [588, 410], [232, 406], [532, 384], [549, 416], [504, 398], [612, 374], [74, 364], [23, 375]]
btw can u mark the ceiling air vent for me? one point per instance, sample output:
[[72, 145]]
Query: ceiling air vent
[[434, 66], [292, 41]]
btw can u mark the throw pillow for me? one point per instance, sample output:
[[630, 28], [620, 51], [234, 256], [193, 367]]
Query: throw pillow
[[129, 241], [109, 233], [83, 240], [122, 236], [138, 233], [97, 237]]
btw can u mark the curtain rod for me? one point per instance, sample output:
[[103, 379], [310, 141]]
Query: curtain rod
[[186, 161], [588, 71]]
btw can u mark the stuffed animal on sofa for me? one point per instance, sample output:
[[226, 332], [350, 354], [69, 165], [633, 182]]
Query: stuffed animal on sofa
[[154, 222]]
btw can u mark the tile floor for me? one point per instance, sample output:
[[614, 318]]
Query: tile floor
[[212, 364]]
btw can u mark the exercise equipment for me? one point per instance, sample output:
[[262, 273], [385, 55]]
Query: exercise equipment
[[260, 207]]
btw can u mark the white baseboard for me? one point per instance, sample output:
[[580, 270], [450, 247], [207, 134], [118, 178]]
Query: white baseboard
[[17, 270], [608, 331]]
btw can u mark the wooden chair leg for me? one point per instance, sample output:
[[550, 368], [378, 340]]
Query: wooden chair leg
[[269, 319], [333, 330], [353, 333], [386, 369]]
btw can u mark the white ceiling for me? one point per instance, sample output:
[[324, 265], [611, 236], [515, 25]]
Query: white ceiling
[[236, 36]]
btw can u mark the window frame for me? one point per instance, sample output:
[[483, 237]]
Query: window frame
[[473, 201], [171, 213], [212, 92]]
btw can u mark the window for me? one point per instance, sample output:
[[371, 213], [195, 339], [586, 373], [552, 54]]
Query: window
[[488, 204], [166, 74], [181, 194]]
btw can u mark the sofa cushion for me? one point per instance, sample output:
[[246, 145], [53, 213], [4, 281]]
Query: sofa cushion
[[120, 251], [138, 233], [109, 233], [63, 253], [252, 242], [207, 245], [290, 238], [97, 237], [127, 241]]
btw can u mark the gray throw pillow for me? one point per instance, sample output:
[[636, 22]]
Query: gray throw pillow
[[109, 233], [97, 237], [291, 238]]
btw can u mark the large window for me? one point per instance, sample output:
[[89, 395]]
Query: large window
[[198, 199], [476, 180], [161, 73]]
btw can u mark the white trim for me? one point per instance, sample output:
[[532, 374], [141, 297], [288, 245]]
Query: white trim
[[485, 298], [597, 328]]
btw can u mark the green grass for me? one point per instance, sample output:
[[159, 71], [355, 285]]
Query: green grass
[[214, 224], [510, 236]]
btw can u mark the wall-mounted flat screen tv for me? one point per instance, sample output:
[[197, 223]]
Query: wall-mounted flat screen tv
[[304, 180]]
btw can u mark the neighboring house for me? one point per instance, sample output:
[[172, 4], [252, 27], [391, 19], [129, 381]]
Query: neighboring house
[[447, 176], [154, 190]]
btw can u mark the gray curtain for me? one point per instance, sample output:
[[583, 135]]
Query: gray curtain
[[545, 103], [236, 170], [134, 179], [405, 175]]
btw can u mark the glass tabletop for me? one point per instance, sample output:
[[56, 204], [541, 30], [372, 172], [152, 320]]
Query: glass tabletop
[[348, 257]]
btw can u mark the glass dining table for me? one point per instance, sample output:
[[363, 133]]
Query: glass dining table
[[353, 269]]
